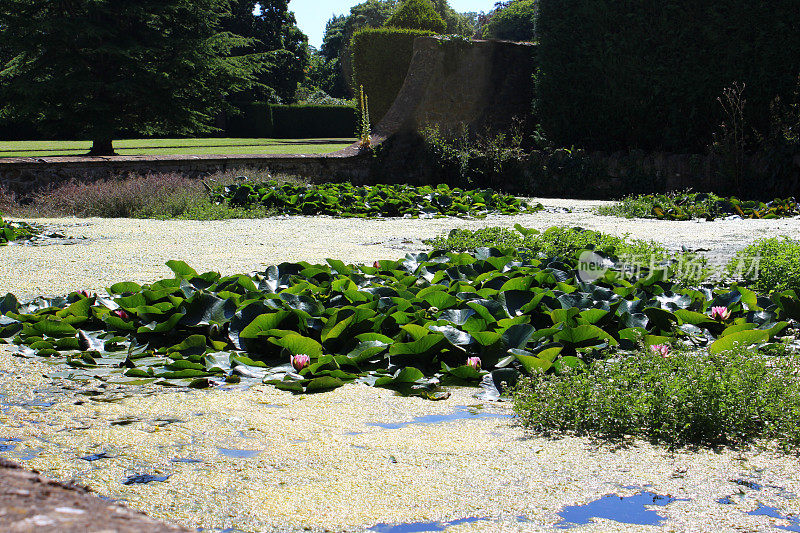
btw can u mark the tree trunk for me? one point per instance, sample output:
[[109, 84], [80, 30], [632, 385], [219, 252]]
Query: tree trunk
[[102, 147]]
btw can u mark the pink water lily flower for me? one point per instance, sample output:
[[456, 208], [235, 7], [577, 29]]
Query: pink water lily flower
[[120, 313], [720, 313], [474, 362], [300, 361], [660, 349], [84, 293]]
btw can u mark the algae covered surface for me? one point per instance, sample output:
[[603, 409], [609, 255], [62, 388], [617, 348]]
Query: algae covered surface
[[259, 459]]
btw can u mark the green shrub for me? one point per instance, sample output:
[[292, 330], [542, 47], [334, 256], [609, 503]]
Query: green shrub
[[417, 15], [682, 399], [769, 265], [314, 121], [517, 22], [643, 74], [253, 120], [381, 58]]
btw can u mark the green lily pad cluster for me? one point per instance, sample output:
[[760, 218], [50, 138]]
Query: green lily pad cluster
[[411, 325], [14, 231], [347, 200], [687, 206]]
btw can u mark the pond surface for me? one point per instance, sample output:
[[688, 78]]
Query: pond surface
[[625, 509]]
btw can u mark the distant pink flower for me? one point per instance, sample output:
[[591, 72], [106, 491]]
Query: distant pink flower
[[474, 362], [300, 361], [720, 313], [120, 313], [84, 293], [376, 264], [660, 349]]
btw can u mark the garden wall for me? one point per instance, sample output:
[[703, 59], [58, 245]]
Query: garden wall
[[24, 175]]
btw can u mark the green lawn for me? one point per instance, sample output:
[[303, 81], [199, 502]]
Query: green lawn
[[176, 147]]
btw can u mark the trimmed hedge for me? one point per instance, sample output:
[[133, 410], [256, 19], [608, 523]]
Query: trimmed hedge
[[255, 121], [260, 120], [622, 73], [381, 58], [314, 121], [417, 15]]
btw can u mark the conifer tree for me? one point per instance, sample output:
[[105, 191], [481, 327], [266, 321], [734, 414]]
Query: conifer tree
[[96, 69]]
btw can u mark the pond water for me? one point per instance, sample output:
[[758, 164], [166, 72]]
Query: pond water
[[625, 509], [462, 412]]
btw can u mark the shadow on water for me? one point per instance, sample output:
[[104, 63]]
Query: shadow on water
[[461, 413], [624, 509], [143, 478], [418, 527]]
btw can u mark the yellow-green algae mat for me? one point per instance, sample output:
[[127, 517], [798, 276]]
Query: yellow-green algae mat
[[260, 459]]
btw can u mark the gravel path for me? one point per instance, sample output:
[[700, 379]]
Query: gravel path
[[136, 250]]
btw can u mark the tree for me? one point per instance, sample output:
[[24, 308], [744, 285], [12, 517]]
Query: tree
[[277, 42], [97, 68], [513, 21], [417, 15]]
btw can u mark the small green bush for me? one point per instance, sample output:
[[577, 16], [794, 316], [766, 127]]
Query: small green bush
[[769, 265], [417, 15], [381, 58], [516, 22], [314, 121], [682, 399]]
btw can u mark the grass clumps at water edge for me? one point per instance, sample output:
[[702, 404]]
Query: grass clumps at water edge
[[158, 196], [685, 398], [694, 205]]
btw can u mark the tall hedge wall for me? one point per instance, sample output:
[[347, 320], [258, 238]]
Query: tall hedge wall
[[380, 62], [253, 121], [632, 73], [314, 121]]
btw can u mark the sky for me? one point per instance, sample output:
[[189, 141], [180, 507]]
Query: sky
[[313, 14]]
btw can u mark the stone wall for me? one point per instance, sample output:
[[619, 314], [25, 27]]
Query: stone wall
[[24, 175]]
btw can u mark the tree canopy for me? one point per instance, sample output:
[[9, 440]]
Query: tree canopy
[[417, 15], [282, 47], [513, 21]]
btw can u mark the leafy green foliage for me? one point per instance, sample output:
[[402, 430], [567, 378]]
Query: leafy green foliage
[[381, 58], [514, 22], [103, 68], [417, 15], [15, 231], [690, 205], [686, 398], [652, 81], [569, 242], [409, 324], [346, 200], [769, 265]]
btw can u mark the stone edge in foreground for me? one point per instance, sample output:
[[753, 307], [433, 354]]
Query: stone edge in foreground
[[31, 502]]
